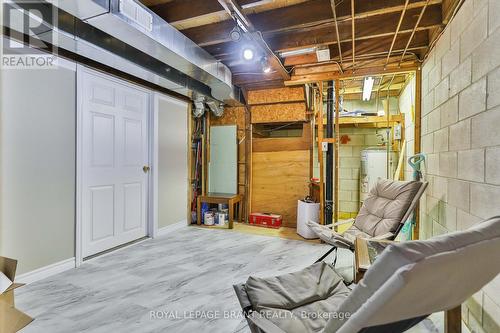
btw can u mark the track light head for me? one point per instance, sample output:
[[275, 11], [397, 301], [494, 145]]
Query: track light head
[[248, 53]]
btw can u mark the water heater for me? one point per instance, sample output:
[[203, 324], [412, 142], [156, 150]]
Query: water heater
[[374, 166]]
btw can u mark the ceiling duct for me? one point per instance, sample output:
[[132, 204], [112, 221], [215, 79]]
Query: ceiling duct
[[127, 36], [198, 105], [216, 107]]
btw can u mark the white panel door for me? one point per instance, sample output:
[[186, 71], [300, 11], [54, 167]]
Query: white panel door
[[114, 150]]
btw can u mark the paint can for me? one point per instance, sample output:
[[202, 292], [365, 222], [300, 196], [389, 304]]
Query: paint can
[[209, 218], [221, 218]]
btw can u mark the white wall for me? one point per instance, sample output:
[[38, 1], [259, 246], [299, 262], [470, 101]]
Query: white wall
[[37, 166], [461, 137], [38, 162], [172, 161]]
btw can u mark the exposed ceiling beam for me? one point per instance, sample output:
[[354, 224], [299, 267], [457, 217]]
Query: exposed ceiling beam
[[397, 30], [177, 11], [365, 48], [360, 72], [381, 25], [334, 12], [262, 84], [353, 36], [304, 15], [448, 8], [415, 29], [234, 9]]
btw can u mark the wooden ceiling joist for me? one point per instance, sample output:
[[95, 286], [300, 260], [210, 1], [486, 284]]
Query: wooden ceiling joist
[[353, 35], [301, 16], [397, 30], [337, 34], [360, 72], [367, 28], [177, 11], [365, 49], [415, 28], [364, 37]]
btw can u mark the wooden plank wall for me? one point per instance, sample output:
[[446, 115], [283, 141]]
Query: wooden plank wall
[[280, 166], [280, 176], [277, 105]]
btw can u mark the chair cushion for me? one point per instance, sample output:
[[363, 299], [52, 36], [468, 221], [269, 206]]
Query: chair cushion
[[353, 232], [298, 302], [385, 206]]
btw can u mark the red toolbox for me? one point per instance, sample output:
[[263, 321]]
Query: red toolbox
[[265, 220]]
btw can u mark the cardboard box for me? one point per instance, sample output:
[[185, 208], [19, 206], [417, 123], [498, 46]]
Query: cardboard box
[[11, 319]]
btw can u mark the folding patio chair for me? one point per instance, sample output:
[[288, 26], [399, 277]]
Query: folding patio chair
[[387, 207], [408, 281]]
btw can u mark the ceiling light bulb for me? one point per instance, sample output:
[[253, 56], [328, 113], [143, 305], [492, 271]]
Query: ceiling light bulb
[[248, 54]]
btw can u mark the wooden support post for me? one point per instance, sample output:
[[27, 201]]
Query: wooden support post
[[337, 159], [320, 156], [190, 163], [248, 164], [417, 135], [453, 320], [250, 173]]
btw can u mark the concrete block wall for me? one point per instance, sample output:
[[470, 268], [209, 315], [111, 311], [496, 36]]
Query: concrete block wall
[[350, 163], [461, 137]]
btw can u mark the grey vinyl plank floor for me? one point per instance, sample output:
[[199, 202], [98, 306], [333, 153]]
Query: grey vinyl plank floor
[[181, 282]]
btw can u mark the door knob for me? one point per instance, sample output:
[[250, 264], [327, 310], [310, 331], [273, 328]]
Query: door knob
[[146, 169]]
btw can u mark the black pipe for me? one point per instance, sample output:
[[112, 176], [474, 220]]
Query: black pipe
[[330, 116]]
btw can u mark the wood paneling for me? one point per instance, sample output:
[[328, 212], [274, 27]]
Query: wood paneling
[[278, 113], [284, 144], [231, 116], [278, 95], [279, 179]]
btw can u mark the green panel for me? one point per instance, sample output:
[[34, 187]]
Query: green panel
[[223, 166]]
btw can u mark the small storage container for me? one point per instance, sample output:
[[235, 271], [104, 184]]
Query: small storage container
[[307, 211], [265, 220]]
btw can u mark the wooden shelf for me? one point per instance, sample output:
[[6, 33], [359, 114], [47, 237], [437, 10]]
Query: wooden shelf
[[372, 120]]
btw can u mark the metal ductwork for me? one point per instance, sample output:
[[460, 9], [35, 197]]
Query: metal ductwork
[[127, 36], [202, 104], [217, 108]]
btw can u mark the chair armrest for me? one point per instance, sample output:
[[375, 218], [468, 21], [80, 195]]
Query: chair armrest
[[383, 237], [263, 323], [341, 222]]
